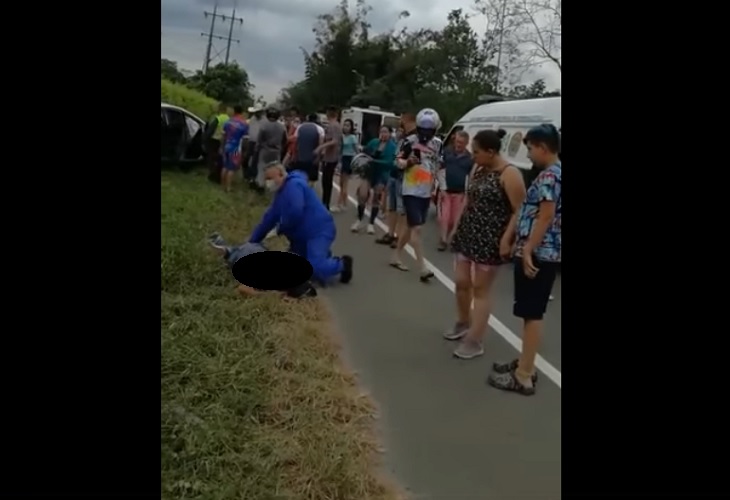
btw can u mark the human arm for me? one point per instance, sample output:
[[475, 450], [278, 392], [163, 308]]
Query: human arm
[[292, 211], [466, 202], [226, 132], [268, 222], [387, 156], [333, 137], [514, 186], [284, 144], [548, 189]]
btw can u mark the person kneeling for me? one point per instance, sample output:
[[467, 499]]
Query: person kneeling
[[304, 221]]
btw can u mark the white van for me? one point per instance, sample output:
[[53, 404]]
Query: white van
[[515, 118], [368, 121]]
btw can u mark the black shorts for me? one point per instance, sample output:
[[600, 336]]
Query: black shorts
[[532, 294], [416, 209], [311, 168]]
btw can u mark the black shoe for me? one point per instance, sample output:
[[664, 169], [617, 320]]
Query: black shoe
[[346, 274]]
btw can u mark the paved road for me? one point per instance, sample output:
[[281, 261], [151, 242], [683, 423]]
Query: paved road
[[447, 434]]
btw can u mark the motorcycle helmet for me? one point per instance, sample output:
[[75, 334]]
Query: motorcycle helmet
[[427, 124], [359, 164]]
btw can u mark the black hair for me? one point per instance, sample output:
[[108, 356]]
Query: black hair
[[352, 125], [294, 110], [222, 107], [312, 117], [490, 139], [272, 113], [560, 153], [331, 110], [546, 135], [238, 109]]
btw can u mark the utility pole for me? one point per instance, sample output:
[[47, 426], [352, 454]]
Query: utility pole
[[210, 36], [230, 32], [499, 53], [209, 57]]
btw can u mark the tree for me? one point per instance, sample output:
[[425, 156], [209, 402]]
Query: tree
[[406, 70], [227, 83], [500, 43], [538, 29], [170, 71], [532, 91]]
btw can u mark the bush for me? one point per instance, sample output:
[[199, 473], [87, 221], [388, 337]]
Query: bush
[[185, 97]]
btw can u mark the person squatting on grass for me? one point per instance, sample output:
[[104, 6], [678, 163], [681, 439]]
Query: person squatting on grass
[[538, 246], [299, 215]]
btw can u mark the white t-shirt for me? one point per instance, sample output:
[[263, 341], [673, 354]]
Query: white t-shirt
[[254, 125]]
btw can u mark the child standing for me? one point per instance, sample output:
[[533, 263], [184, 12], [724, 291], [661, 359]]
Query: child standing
[[538, 244]]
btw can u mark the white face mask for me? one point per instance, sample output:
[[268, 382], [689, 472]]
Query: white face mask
[[271, 185]]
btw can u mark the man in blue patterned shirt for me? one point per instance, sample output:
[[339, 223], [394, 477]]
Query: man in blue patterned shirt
[[538, 245]]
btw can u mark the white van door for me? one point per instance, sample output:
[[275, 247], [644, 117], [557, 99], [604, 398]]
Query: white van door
[[513, 147]]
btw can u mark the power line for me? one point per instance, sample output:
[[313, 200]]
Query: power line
[[211, 35]]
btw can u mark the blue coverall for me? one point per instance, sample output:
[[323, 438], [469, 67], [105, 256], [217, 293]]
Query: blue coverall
[[305, 222]]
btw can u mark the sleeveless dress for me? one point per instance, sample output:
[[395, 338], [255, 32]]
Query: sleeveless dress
[[484, 220]]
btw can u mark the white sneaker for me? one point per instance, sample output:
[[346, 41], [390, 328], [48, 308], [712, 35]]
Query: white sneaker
[[356, 226], [335, 209], [551, 297], [371, 229]]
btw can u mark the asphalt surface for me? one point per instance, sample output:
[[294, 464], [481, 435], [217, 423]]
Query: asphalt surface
[[447, 435]]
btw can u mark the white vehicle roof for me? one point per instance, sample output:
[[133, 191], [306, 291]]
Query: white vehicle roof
[[368, 110], [515, 118], [545, 110]]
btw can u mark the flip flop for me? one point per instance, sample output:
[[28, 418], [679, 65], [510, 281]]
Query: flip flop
[[398, 265]]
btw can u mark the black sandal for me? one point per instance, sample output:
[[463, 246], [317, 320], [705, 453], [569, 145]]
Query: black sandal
[[510, 367], [426, 276], [508, 382], [386, 239]]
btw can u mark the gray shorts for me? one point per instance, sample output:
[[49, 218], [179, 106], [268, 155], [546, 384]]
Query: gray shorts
[[235, 253], [395, 195]]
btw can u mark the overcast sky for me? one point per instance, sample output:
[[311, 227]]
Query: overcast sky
[[273, 30]]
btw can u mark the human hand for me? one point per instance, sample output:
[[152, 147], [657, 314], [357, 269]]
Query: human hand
[[505, 248], [528, 265]]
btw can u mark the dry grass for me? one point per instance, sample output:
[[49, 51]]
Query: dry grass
[[255, 401]]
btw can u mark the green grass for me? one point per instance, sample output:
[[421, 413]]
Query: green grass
[[255, 401]]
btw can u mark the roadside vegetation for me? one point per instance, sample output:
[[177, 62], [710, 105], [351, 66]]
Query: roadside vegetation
[[256, 403]]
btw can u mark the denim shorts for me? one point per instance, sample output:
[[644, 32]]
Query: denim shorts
[[346, 165], [235, 253], [395, 195], [416, 209]]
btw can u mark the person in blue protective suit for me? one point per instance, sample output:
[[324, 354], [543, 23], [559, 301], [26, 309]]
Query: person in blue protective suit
[[299, 215]]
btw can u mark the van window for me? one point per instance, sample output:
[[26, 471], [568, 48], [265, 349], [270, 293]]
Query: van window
[[449, 141], [392, 122]]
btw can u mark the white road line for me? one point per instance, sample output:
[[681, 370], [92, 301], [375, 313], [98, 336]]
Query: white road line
[[549, 370]]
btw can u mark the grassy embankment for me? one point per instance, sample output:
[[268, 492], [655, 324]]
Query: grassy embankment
[[255, 401]]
